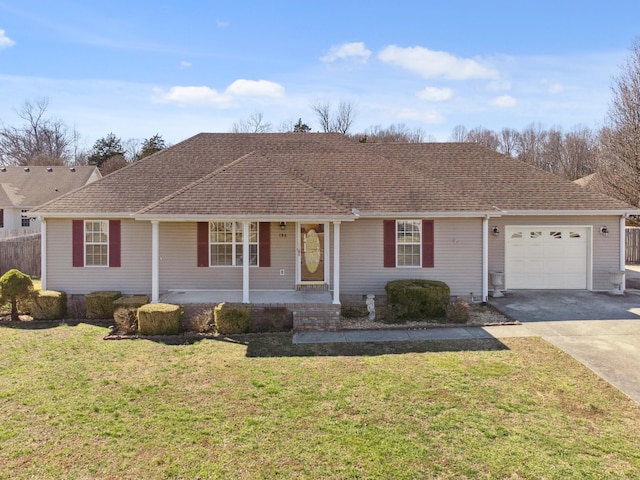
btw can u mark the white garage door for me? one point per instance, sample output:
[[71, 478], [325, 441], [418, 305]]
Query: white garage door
[[546, 257]]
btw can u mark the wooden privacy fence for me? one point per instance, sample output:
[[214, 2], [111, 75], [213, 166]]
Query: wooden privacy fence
[[22, 253], [632, 244]]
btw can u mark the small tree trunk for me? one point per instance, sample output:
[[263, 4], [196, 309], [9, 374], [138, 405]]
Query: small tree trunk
[[14, 310]]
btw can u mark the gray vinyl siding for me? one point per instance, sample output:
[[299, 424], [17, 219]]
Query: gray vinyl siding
[[132, 277], [179, 270], [605, 250], [458, 257]]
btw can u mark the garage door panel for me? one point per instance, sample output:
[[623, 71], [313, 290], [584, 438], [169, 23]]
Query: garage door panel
[[547, 257]]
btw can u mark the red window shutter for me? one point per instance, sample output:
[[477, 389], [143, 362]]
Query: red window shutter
[[389, 243], [114, 243], [264, 244], [203, 244], [77, 242], [428, 255]]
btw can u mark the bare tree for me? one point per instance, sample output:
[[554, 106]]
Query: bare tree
[[508, 138], [254, 124], [344, 117], [458, 134], [581, 153], [39, 141], [323, 114], [483, 136], [341, 120], [395, 133], [114, 163], [621, 136], [132, 149]]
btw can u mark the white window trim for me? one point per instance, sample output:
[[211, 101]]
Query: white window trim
[[236, 226], [419, 243], [85, 243]]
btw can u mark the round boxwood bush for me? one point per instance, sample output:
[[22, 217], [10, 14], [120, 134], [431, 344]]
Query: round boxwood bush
[[418, 299]]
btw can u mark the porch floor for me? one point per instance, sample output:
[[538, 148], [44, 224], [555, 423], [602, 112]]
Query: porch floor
[[264, 297]]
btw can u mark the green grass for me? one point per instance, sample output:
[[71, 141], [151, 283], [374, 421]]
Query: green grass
[[75, 406]]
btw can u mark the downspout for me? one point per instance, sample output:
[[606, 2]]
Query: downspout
[[623, 253], [43, 253], [155, 262], [485, 258]]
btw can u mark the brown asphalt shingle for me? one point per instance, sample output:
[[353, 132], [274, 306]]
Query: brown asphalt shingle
[[324, 174], [34, 185]]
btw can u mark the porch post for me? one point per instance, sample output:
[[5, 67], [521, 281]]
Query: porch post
[[327, 252], [336, 263], [485, 258], [245, 262], [43, 253], [155, 262], [623, 253]]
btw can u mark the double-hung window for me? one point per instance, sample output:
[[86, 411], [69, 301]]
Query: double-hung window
[[25, 221], [226, 244], [408, 243], [96, 243]]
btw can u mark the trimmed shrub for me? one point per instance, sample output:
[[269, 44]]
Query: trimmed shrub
[[76, 308], [125, 313], [159, 319], [271, 319], [353, 311], [232, 318], [418, 299], [48, 305], [15, 286], [99, 305], [200, 322], [458, 312]]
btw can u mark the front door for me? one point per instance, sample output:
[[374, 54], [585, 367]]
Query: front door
[[312, 252]]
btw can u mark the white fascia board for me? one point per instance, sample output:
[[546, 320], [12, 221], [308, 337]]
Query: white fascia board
[[116, 215], [574, 213], [486, 214], [248, 217]]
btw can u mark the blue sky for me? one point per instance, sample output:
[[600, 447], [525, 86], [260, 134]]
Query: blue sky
[[177, 68]]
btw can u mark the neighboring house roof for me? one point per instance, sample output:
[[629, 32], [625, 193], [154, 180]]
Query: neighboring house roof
[[297, 174], [27, 187]]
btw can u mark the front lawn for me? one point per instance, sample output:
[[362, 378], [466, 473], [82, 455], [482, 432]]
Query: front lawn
[[76, 406]]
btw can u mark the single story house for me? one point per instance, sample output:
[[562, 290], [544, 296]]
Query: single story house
[[255, 213], [24, 188]]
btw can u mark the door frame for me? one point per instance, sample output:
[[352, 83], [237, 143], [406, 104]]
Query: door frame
[[327, 254]]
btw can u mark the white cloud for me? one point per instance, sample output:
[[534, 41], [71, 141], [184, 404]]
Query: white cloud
[[255, 88], [498, 86], [556, 88], [354, 50], [5, 42], [427, 116], [185, 64], [433, 64], [193, 96], [222, 24], [435, 94], [503, 101]]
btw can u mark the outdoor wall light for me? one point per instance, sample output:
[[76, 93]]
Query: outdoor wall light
[[495, 231], [283, 225], [604, 231]]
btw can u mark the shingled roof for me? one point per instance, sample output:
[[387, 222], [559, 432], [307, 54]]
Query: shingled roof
[[26, 187], [298, 174]]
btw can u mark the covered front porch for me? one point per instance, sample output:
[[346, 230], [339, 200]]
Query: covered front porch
[[261, 297], [295, 262]]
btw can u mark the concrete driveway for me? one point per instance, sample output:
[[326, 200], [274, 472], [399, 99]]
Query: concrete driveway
[[599, 330]]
